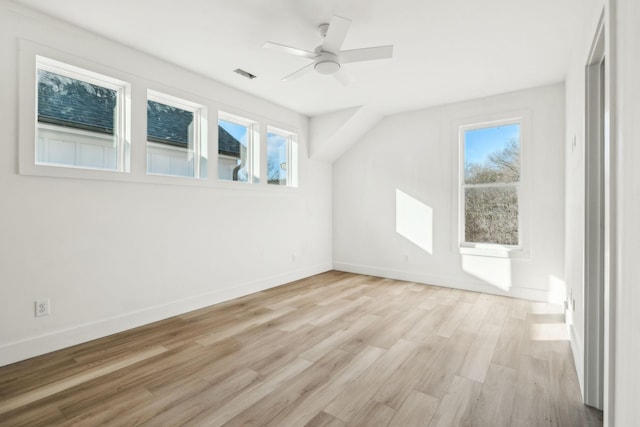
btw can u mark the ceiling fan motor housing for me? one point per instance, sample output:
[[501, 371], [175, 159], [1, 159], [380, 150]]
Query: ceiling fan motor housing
[[327, 63]]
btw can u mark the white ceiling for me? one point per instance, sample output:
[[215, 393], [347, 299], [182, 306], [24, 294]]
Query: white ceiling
[[444, 50]]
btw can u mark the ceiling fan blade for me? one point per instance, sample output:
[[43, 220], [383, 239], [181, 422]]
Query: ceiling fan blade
[[344, 77], [366, 54], [301, 72], [290, 50], [336, 33]]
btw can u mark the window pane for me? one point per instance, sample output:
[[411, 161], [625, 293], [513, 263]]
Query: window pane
[[169, 125], [233, 151], [492, 154], [491, 215], [76, 122], [170, 136], [277, 146]]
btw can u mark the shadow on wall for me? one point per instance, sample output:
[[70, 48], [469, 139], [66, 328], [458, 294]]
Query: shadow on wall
[[414, 221]]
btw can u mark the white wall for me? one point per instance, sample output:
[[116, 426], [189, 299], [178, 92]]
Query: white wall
[[626, 407], [112, 255], [415, 153]]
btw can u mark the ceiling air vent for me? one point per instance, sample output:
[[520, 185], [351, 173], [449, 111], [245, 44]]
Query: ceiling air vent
[[244, 73]]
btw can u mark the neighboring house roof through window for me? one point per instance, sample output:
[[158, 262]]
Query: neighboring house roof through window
[[70, 102], [227, 144], [167, 124]]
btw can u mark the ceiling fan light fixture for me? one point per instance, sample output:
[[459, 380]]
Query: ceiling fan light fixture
[[327, 67]]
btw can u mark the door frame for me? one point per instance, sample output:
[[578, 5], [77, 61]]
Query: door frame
[[597, 218]]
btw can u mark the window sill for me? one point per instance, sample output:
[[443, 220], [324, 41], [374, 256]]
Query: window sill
[[489, 251]]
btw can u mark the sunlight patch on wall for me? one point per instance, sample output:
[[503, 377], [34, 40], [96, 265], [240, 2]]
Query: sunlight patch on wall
[[496, 271], [557, 290], [414, 221]]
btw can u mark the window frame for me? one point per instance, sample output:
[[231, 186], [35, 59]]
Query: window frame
[[199, 130], [122, 116], [253, 147], [292, 155], [491, 249]]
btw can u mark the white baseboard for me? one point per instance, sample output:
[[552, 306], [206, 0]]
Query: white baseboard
[[35, 346], [467, 285]]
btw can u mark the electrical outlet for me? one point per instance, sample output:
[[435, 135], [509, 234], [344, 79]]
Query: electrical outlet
[[43, 307]]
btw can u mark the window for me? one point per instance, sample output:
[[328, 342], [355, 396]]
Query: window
[[281, 157], [176, 143], [81, 118], [490, 184], [238, 149]]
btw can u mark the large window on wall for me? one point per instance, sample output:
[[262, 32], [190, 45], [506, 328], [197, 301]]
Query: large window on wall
[[176, 137], [282, 156], [490, 184], [82, 120], [238, 149]]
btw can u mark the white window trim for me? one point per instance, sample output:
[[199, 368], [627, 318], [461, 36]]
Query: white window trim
[[122, 120], [253, 147], [135, 106], [292, 154], [523, 249], [199, 130]]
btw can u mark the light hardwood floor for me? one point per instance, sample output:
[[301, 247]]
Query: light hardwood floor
[[335, 349]]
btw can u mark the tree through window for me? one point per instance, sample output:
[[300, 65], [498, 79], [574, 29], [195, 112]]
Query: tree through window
[[490, 184]]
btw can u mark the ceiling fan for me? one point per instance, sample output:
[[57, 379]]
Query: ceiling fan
[[328, 58]]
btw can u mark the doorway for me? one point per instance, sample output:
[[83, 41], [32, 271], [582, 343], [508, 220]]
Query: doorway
[[596, 221]]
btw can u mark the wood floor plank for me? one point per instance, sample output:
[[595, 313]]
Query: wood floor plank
[[430, 321], [320, 349], [210, 399], [110, 410], [510, 343], [329, 350], [416, 411], [249, 396], [320, 398], [497, 313], [325, 420], [279, 403], [396, 328], [337, 312], [450, 325], [397, 388], [478, 359], [40, 415], [531, 401], [457, 406], [496, 398], [474, 319], [359, 392], [243, 325], [58, 386], [373, 414], [564, 398], [445, 365]]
